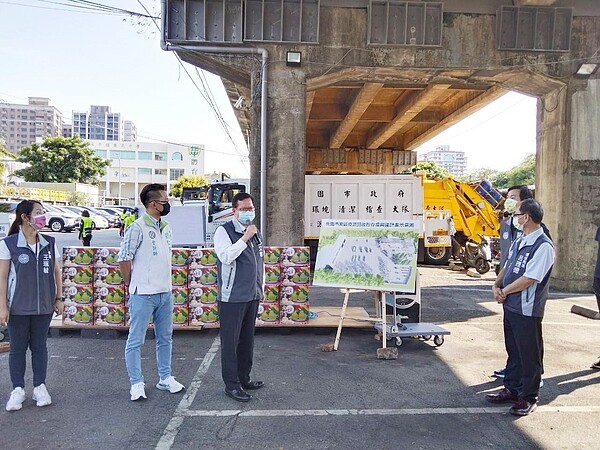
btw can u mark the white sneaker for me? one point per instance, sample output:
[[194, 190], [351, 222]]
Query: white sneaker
[[137, 391], [41, 396], [17, 397], [541, 382], [171, 385]]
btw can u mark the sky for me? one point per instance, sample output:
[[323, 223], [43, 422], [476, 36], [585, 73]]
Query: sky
[[82, 58]]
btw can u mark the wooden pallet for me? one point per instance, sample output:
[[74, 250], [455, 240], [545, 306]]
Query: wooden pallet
[[327, 317]]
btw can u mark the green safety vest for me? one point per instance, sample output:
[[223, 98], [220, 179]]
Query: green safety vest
[[86, 226], [128, 220]]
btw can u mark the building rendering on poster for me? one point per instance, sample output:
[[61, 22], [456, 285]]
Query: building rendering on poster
[[367, 254]]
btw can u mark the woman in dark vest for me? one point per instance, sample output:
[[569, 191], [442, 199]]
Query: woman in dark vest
[[30, 292]]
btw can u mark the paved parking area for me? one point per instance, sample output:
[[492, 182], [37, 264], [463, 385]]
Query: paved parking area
[[428, 398]]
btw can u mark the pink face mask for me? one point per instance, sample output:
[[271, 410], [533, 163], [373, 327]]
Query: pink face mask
[[38, 222]]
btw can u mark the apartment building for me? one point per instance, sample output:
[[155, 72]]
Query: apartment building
[[21, 125], [136, 164], [100, 123], [453, 161]]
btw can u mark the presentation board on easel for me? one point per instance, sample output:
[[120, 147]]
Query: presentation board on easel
[[379, 255]]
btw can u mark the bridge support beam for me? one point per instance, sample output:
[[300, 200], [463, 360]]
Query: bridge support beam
[[568, 170]]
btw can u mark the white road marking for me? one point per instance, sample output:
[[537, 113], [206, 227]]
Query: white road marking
[[172, 429], [383, 412]]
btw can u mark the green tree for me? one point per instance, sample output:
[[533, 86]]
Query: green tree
[[186, 181], [62, 160], [77, 198], [482, 174], [431, 169], [524, 173]]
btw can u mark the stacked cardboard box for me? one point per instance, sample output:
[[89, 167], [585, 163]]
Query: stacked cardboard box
[[294, 285], [95, 294], [110, 295], [179, 288], [78, 291], [268, 308], [202, 284]]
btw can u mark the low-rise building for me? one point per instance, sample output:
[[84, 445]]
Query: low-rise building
[[136, 164]]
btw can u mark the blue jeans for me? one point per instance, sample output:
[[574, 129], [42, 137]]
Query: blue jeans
[[142, 307]]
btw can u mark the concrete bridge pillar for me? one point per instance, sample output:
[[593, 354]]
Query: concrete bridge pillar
[[286, 153], [568, 170]]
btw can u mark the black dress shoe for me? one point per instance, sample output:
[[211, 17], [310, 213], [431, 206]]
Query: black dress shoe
[[252, 385], [238, 395], [504, 396], [522, 408]]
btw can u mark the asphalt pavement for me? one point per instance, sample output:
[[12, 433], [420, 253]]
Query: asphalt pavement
[[429, 398]]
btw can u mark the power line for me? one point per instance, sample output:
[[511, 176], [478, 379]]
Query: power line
[[56, 9], [207, 95]]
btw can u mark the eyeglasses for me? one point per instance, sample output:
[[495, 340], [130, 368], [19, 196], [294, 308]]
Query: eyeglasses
[[520, 214], [162, 202], [246, 209]]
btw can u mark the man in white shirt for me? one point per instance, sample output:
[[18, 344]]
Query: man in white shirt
[[145, 263], [522, 288]]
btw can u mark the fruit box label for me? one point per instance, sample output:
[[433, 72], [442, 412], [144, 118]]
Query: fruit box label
[[179, 276], [203, 276], [78, 256], [267, 314], [295, 256], [106, 257], [180, 316], [272, 255], [109, 315], [179, 257], [203, 295], [294, 314], [83, 295], [294, 293], [81, 275], [179, 296], [105, 276], [113, 295], [271, 294], [203, 257], [206, 315], [80, 315], [295, 275], [272, 274]]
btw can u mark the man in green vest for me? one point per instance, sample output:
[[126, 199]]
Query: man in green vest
[[85, 228]]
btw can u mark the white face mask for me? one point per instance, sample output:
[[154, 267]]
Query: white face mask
[[516, 224], [510, 205]]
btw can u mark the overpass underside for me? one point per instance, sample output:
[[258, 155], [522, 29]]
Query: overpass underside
[[377, 79]]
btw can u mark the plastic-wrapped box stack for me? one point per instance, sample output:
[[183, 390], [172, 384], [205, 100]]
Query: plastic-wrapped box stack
[[95, 294], [268, 309], [110, 295], [202, 284], [179, 289], [294, 285], [78, 291]]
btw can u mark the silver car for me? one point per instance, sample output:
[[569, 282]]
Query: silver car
[[59, 220]]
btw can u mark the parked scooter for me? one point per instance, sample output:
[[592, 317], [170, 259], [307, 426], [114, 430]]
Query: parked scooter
[[478, 256], [496, 255]]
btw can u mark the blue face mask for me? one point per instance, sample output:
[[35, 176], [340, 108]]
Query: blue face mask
[[246, 217]]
